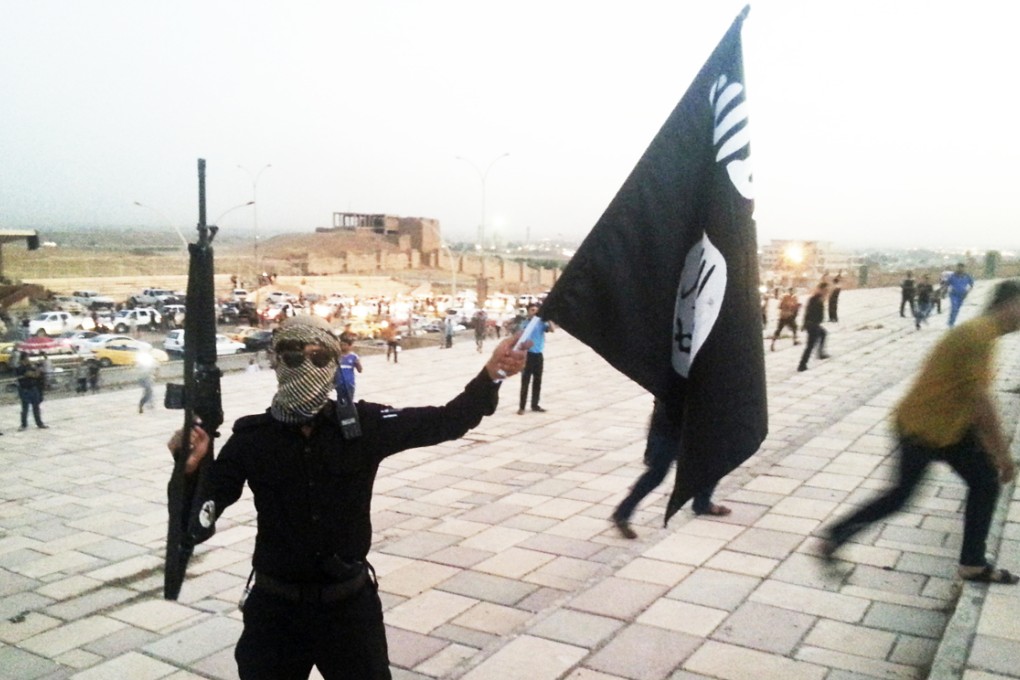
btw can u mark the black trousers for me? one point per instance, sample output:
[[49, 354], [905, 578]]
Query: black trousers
[[815, 336], [282, 640], [532, 371], [968, 459]]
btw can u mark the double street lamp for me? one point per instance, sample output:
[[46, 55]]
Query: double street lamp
[[483, 176]]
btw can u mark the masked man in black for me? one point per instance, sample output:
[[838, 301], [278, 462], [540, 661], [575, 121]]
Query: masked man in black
[[314, 601]]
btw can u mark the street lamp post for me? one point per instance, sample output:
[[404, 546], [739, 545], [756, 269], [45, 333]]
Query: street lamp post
[[483, 176], [255, 214], [230, 210]]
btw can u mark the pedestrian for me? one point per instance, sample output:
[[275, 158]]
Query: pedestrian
[[449, 323], [81, 378], [907, 294], [925, 294], [30, 390], [315, 598], [661, 449], [959, 284], [834, 301], [535, 364], [94, 367], [788, 308], [253, 366], [813, 316], [392, 339], [349, 364], [481, 323], [147, 376], [949, 415]]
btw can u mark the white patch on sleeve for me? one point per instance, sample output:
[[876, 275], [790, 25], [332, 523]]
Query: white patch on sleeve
[[207, 515]]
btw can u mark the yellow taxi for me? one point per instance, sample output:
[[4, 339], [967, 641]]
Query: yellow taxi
[[128, 353]]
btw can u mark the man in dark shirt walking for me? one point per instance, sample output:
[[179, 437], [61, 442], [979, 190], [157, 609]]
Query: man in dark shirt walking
[[30, 380], [907, 294], [315, 600], [814, 314]]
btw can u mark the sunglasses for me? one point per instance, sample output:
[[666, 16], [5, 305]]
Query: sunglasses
[[295, 357]]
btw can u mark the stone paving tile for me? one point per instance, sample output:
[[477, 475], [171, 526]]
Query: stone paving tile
[[576, 628], [428, 611], [493, 618], [618, 598], [131, 665], [528, 658], [196, 642], [69, 636], [409, 649], [154, 615], [766, 628], [643, 652], [811, 600], [732, 662]]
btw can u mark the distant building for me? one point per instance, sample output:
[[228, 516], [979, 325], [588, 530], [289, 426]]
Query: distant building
[[804, 260], [414, 233]]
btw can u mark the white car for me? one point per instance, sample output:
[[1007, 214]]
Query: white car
[[53, 323], [126, 319], [77, 339], [174, 344]]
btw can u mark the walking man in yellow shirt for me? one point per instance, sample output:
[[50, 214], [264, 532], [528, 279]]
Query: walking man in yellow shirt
[[949, 415]]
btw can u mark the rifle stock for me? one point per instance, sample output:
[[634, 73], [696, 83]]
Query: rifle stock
[[191, 520]]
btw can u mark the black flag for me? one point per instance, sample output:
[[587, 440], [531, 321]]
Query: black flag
[[665, 287]]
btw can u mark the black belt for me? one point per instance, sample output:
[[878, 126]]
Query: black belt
[[312, 593]]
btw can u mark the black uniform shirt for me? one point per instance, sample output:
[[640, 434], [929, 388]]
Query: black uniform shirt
[[814, 313], [313, 495]]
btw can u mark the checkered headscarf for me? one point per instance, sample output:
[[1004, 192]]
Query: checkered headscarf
[[303, 391]]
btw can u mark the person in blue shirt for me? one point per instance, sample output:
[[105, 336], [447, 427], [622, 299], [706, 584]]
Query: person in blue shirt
[[959, 285], [534, 364], [349, 363]]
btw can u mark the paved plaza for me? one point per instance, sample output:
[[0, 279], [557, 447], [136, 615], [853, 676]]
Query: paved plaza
[[494, 553]]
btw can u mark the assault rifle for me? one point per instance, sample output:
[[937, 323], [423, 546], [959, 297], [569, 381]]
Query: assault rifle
[[191, 519]]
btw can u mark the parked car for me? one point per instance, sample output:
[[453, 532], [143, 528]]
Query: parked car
[[90, 299], [101, 340], [175, 314], [174, 344], [126, 319], [66, 303], [53, 323], [39, 345], [258, 341], [150, 297], [76, 339], [128, 353], [241, 332]]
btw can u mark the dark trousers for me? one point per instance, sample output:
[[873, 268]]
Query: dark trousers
[[659, 455], [968, 459], [30, 397], [906, 300], [788, 322], [532, 371], [282, 640], [392, 347], [815, 337]]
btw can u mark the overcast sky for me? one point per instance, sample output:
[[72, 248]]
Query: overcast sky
[[873, 123]]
